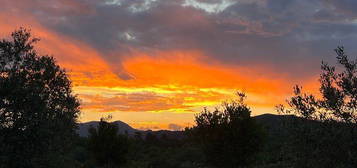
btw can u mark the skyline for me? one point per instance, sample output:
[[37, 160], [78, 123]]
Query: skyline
[[155, 63]]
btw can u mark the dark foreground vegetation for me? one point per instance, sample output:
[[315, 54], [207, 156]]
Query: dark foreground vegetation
[[38, 124]]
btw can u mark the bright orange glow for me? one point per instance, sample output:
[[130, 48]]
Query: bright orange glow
[[166, 87], [179, 82]]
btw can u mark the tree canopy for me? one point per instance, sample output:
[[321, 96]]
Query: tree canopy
[[107, 147], [229, 136], [330, 133], [38, 110]]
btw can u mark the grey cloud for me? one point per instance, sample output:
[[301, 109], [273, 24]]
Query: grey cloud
[[347, 7], [286, 35]]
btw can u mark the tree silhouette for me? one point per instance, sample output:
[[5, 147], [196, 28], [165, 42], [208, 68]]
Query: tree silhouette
[[38, 111], [108, 148], [330, 135], [229, 136]]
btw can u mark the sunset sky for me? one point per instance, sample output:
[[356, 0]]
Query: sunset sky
[[155, 63]]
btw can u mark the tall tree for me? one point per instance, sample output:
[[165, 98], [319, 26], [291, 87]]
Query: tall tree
[[38, 110], [107, 147], [229, 136], [328, 137]]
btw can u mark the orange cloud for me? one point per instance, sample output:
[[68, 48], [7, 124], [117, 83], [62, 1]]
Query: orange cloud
[[180, 82], [190, 69], [166, 87]]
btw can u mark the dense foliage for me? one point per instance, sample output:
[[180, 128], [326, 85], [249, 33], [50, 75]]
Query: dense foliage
[[230, 137], [106, 146], [330, 135], [38, 111]]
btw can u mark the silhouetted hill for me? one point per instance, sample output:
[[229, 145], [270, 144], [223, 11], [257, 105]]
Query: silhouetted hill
[[123, 128], [127, 129], [273, 121], [273, 124]]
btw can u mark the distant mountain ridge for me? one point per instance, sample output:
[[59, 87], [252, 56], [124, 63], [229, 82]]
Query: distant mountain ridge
[[123, 128], [270, 121]]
